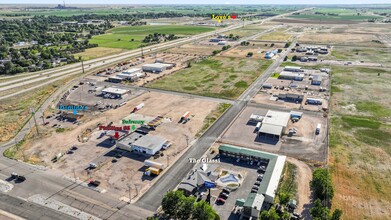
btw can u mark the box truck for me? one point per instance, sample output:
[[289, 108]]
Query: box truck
[[317, 130]]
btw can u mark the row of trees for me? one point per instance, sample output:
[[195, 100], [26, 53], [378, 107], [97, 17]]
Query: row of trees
[[178, 206], [158, 37], [323, 189]]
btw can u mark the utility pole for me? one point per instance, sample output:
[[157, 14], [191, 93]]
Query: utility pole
[[74, 174], [142, 52], [82, 64], [32, 110]]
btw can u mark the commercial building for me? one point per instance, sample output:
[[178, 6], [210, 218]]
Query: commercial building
[[156, 67], [146, 144], [291, 97], [316, 80], [274, 124], [116, 92], [270, 54], [264, 197], [293, 69], [221, 42], [313, 101], [291, 76], [197, 179]]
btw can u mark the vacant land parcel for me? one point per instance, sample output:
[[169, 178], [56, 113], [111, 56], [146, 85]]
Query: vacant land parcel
[[224, 77], [130, 37], [360, 142]]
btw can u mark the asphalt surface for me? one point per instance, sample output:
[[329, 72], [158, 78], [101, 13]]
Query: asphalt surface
[[51, 185], [29, 210], [72, 69], [151, 200]]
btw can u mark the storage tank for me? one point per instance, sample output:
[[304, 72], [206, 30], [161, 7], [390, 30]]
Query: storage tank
[[150, 163]]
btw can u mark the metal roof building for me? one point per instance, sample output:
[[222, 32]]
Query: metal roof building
[[293, 69], [271, 178], [274, 124], [156, 67], [147, 144], [291, 75]]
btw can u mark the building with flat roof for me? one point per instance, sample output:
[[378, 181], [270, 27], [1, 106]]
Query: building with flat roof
[[115, 91], [264, 197], [274, 124], [293, 69], [156, 67], [291, 76], [316, 80], [146, 144], [291, 97]]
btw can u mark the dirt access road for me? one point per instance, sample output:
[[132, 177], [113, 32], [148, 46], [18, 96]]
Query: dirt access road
[[303, 179]]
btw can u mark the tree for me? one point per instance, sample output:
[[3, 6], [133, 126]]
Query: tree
[[279, 50], [269, 215], [294, 58], [203, 211], [215, 52], [285, 58], [250, 54], [288, 44], [171, 203], [186, 207], [132, 39], [284, 198], [322, 185], [319, 212], [336, 214], [272, 45]]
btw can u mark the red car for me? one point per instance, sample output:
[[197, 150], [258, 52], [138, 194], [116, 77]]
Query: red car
[[220, 201]]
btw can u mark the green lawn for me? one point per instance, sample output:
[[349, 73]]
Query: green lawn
[[223, 77], [120, 37]]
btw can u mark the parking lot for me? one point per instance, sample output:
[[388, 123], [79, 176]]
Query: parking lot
[[305, 144]]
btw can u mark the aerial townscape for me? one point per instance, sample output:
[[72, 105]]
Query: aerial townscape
[[203, 110]]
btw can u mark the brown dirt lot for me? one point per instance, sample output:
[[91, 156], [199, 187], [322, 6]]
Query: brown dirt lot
[[98, 150], [340, 39], [194, 49]]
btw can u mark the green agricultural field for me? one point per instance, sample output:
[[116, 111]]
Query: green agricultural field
[[121, 37], [222, 77], [360, 140], [339, 14]]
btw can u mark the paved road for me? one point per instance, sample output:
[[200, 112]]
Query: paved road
[[151, 200], [29, 210], [50, 184], [73, 69]]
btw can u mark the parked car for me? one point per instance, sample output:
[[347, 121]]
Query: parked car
[[21, 178], [14, 175], [94, 182], [260, 177], [254, 190], [223, 195], [73, 148], [255, 187], [92, 166], [257, 183], [220, 201], [226, 191]]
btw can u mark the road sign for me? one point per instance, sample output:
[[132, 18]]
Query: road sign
[[209, 184]]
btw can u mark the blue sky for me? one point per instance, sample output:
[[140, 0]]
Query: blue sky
[[107, 2]]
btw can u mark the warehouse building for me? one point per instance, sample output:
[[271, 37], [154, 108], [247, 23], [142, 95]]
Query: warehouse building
[[291, 76], [156, 67], [295, 98], [316, 80], [114, 92], [266, 193], [274, 124], [146, 144], [293, 69]]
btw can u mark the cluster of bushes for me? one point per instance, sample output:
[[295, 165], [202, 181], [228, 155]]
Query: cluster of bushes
[[323, 189]]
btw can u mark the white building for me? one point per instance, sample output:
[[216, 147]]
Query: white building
[[293, 69], [156, 67], [274, 124], [117, 92], [291, 75], [146, 144]]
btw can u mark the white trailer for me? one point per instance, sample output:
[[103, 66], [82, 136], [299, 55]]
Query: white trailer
[[150, 163]]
